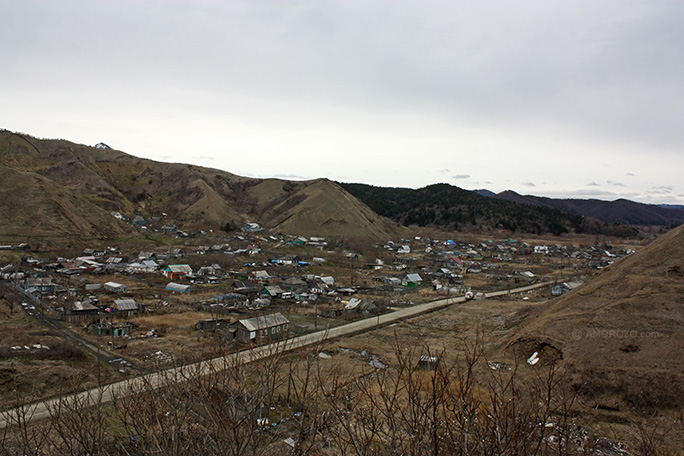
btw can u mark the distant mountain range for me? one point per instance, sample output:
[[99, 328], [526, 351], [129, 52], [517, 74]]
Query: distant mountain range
[[621, 211]]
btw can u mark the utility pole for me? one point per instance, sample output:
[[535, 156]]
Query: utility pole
[[316, 315], [99, 328]]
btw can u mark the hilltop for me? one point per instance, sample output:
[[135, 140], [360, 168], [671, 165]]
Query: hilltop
[[98, 181]]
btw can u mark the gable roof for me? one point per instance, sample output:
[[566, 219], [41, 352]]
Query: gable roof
[[183, 268], [264, 321], [413, 278]]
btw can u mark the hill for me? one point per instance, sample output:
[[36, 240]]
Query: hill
[[622, 332], [193, 197], [454, 208], [35, 208], [620, 211]]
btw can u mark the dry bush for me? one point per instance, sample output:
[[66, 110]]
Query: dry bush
[[229, 407]]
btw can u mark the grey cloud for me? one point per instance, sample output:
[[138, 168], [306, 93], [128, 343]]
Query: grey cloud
[[615, 184], [584, 193], [593, 184], [528, 184], [461, 176]]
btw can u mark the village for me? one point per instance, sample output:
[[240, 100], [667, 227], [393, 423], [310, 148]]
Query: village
[[188, 295]]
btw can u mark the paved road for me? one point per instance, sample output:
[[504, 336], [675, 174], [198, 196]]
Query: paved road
[[108, 392]]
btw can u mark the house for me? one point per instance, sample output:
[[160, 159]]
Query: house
[[300, 241], [252, 227], [412, 280], [42, 284], [526, 276], [139, 220], [230, 299], [83, 308], [147, 256], [287, 260], [292, 283], [245, 288], [274, 291], [392, 281], [562, 288], [541, 249], [143, 266], [261, 328], [177, 271], [213, 270], [115, 287], [328, 280], [107, 328], [353, 304], [259, 276]]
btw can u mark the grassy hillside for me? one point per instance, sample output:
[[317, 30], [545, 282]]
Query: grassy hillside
[[192, 196], [621, 333], [36, 208]]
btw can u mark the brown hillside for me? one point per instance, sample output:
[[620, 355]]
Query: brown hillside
[[192, 196], [323, 205], [36, 208], [622, 332]]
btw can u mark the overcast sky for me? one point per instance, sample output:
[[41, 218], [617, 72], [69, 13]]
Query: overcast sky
[[555, 98]]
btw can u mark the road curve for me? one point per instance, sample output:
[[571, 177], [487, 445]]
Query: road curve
[[107, 393]]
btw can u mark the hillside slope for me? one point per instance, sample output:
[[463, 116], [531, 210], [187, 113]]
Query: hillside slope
[[193, 197], [34, 208], [622, 332]]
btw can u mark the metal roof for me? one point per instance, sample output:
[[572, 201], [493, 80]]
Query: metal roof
[[179, 268], [264, 321], [125, 304], [177, 287]]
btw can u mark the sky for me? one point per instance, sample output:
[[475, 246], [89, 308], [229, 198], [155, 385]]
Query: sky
[[574, 99]]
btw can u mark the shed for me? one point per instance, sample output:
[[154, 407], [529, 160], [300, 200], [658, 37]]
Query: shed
[[412, 280], [126, 305], [115, 287]]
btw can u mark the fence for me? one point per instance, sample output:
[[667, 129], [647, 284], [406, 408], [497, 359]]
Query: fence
[[38, 302]]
